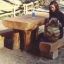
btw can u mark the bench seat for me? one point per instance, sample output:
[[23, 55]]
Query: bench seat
[[3, 34], [50, 49]]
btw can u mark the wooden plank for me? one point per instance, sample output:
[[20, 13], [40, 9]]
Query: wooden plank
[[24, 22]]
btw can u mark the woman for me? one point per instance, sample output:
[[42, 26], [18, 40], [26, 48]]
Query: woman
[[54, 12]]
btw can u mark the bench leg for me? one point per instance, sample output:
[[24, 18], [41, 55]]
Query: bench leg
[[54, 54], [1, 41]]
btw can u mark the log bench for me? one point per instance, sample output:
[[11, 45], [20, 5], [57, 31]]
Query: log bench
[[50, 49]]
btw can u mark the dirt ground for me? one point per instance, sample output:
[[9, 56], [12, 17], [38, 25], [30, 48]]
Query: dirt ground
[[8, 56]]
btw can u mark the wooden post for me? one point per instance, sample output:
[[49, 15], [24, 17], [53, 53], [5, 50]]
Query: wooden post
[[27, 38], [16, 41], [1, 41], [54, 54]]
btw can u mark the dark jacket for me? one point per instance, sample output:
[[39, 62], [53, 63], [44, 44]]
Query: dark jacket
[[59, 15]]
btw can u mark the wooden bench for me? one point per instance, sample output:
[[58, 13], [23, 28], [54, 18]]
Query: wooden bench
[[3, 31], [50, 49]]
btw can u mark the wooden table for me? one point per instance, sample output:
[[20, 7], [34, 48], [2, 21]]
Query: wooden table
[[25, 23]]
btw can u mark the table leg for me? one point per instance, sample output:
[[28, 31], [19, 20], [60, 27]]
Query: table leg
[[16, 40], [30, 37], [27, 39]]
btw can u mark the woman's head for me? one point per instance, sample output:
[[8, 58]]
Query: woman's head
[[53, 6]]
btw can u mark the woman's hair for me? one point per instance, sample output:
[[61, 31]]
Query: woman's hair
[[55, 4]]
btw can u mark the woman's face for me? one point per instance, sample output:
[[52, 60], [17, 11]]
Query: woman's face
[[52, 7]]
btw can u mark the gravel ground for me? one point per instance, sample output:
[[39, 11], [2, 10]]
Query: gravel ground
[[8, 56]]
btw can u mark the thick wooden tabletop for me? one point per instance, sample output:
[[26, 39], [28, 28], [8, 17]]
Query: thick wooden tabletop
[[25, 22]]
